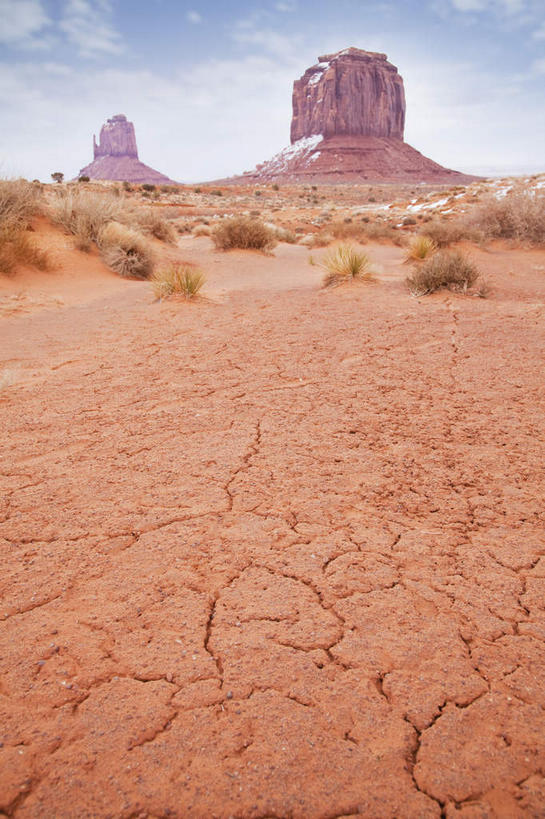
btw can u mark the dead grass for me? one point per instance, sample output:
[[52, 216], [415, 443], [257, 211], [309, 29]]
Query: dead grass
[[446, 270], [181, 279], [344, 263], [153, 222], [201, 230], [286, 235], [519, 216], [84, 214], [245, 233], [445, 233], [19, 202], [126, 251], [420, 247]]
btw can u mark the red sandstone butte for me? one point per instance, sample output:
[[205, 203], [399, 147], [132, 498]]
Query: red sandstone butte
[[116, 156], [348, 125]]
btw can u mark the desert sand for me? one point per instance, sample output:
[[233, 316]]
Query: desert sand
[[276, 552]]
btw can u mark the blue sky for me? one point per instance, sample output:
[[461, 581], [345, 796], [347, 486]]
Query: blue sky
[[208, 84]]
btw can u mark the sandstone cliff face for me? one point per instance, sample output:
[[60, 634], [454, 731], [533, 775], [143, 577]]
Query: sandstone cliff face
[[117, 138], [116, 156], [348, 124], [351, 93]]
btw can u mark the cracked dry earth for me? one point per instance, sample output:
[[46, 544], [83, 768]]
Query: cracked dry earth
[[279, 554]]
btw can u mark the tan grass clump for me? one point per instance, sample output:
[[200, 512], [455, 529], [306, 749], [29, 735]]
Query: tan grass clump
[[126, 251], [345, 262], [245, 233], [154, 223], [19, 202], [286, 235], [201, 230], [84, 213], [180, 279], [446, 233], [420, 247], [446, 270]]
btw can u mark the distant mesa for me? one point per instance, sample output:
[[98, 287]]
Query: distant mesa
[[348, 125], [116, 156]]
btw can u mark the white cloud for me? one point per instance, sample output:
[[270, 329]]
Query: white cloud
[[194, 17], [86, 25], [285, 7], [22, 21]]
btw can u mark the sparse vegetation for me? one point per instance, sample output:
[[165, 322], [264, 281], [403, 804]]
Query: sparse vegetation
[[181, 279], [83, 178], [148, 187], [520, 216], [84, 214], [444, 233], [243, 232], [420, 247], [19, 202], [126, 251], [285, 235], [153, 222], [57, 177], [201, 230], [446, 270], [345, 262]]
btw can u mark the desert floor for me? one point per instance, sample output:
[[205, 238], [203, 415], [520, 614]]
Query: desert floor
[[277, 552]]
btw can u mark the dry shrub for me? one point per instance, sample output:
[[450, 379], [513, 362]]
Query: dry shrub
[[19, 202], [446, 270], [286, 235], [420, 247], [520, 216], [180, 279], [348, 230], [345, 262], [382, 232], [126, 251], [201, 230], [243, 232], [84, 213], [154, 223], [445, 233]]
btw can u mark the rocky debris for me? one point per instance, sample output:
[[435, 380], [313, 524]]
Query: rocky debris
[[116, 156], [352, 93], [348, 126]]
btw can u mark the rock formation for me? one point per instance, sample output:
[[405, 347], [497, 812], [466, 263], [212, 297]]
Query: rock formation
[[352, 93], [348, 126], [116, 156]]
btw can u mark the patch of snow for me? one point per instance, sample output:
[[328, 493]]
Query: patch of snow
[[279, 162], [313, 157]]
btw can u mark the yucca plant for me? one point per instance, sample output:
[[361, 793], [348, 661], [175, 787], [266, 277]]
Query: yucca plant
[[345, 262], [180, 279], [420, 247]]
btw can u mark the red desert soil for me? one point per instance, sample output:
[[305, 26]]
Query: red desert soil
[[278, 552]]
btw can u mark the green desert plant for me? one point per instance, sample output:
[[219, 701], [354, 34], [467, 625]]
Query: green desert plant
[[345, 262], [420, 247], [126, 251], [243, 232], [180, 279], [446, 270]]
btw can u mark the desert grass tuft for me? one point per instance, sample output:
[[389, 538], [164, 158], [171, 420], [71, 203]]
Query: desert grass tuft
[[344, 263], [245, 233], [19, 202], [446, 270], [154, 223], [180, 279], [420, 247], [126, 251], [84, 213]]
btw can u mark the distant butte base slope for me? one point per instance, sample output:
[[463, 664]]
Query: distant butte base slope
[[116, 156], [347, 126]]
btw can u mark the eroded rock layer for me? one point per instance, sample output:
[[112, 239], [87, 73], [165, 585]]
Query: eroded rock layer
[[352, 93], [347, 126]]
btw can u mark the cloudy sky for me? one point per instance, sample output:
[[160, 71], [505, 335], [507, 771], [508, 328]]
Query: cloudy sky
[[208, 84]]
